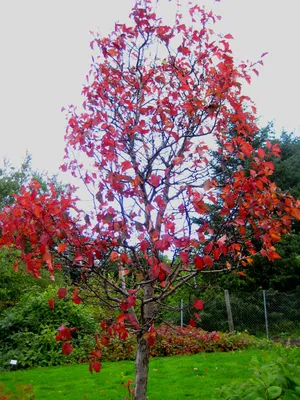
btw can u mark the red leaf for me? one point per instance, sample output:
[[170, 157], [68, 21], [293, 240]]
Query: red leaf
[[240, 273], [91, 368], [199, 262], [159, 201], [260, 153], [208, 261], [51, 303], [65, 333], [124, 258], [151, 339], [124, 305], [216, 254], [96, 353], [112, 52], [133, 291], [103, 325], [114, 256], [230, 200], [97, 366], [75, 298], [162, 244], [192, 322], [121, 318], [144, 245], [228, 36], [177, 160], [208, 248], [126, 165], [67, 348], [61, 293], [184, 50], [199, 304], [133, 321], [184, 257], [104, 340], [131, 300], [197, 316], [62, 247], [154, 180], [166, 267]]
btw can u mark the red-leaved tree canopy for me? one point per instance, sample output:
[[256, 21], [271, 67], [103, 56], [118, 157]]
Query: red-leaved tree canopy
[[155, 95]]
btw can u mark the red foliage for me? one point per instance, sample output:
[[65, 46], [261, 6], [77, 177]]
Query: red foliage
[[51, 303], [146, 164], [61, 293], [67, 348], [199, 304]]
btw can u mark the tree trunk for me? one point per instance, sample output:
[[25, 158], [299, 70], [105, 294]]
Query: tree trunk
[[143, 347], [141, 369]]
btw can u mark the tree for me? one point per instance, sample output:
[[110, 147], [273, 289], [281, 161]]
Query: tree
[[287, 168], [155, 93], [12, 178]]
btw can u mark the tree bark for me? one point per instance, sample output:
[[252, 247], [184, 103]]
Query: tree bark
[[141, 369], [143, 347]]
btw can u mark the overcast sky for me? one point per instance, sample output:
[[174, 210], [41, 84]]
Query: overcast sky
[[45, 56]]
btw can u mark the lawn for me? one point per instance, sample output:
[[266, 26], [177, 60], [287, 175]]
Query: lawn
[[177, 378]]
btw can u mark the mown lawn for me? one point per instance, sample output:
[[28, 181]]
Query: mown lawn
[[179, 377]]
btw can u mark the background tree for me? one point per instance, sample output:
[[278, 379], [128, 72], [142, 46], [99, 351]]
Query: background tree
[[287, 167], [13, 178], [13, 285], [154, 94]]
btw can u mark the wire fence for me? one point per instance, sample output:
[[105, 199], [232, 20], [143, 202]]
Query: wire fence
[[264, 313]]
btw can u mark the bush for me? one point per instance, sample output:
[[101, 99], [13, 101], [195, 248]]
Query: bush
[[271, 380], [119, 350], [27, 331], [173, 340]]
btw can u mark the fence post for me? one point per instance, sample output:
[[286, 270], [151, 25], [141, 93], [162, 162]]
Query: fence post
[[229, 312], [181, 313], [266, 314]]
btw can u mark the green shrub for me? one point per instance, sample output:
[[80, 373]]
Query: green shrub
[[27, 331], [271, 380]]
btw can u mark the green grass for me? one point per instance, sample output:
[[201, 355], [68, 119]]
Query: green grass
[[177, 378]]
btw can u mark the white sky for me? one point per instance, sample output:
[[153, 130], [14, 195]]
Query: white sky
[[45, 56]]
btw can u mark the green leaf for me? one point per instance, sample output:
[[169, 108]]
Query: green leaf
[[274, 392], [289, 395], [297, 389]]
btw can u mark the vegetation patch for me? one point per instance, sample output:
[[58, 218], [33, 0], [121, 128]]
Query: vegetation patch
[[275, 378], [179, 377]]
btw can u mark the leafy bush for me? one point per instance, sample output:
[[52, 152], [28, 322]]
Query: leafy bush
[[173, 340], [13, 284], [119, 350], [27, 334], [27, 331], [271, 380]]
